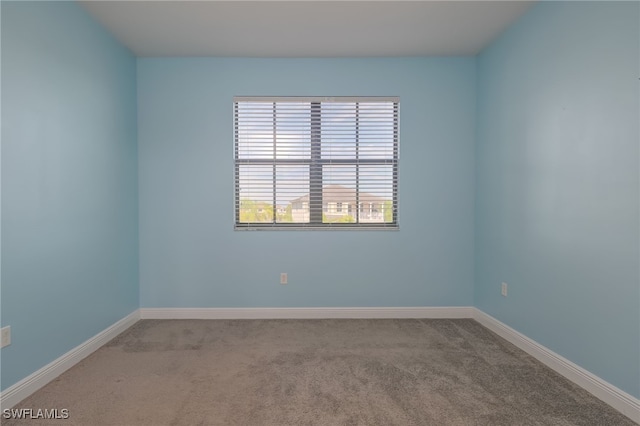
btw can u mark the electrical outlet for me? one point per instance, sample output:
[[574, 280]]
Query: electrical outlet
[[5, 336], [284, 279], [504, 289]]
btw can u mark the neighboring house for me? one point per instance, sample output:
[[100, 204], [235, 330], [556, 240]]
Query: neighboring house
[[339, 202]]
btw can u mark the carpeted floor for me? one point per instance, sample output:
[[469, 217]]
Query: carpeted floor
[[315, 372]]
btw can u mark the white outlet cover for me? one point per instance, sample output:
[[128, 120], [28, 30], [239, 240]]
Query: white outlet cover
[[5, 336]]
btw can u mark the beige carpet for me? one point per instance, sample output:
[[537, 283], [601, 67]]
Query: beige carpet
[[315, 372]]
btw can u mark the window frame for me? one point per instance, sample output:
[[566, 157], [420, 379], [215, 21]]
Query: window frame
[[316, 164]]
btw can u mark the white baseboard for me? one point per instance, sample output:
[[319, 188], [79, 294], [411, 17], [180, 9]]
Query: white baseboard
[[25, 387], [617, 398], [306, 313]]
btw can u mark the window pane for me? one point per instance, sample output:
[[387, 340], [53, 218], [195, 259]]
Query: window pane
[[292, 199], [255, 130], [255, 186], [339, 194], [338, 130], [376, 194], [376, 130], [293, 130]]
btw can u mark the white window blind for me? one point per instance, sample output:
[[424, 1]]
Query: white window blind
[[316, 162]]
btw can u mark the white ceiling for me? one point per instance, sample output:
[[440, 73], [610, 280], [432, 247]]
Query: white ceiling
[[305, 28]]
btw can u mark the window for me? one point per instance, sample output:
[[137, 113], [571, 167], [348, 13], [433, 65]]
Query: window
[[305, 163]]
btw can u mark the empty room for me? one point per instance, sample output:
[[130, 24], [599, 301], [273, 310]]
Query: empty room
[[320, 213]]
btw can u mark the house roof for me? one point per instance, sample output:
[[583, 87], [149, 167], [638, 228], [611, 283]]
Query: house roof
[[342, 194]]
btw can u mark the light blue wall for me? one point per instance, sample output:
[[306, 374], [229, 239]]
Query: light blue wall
[[557, 184], [191, 257], [69, 182]]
